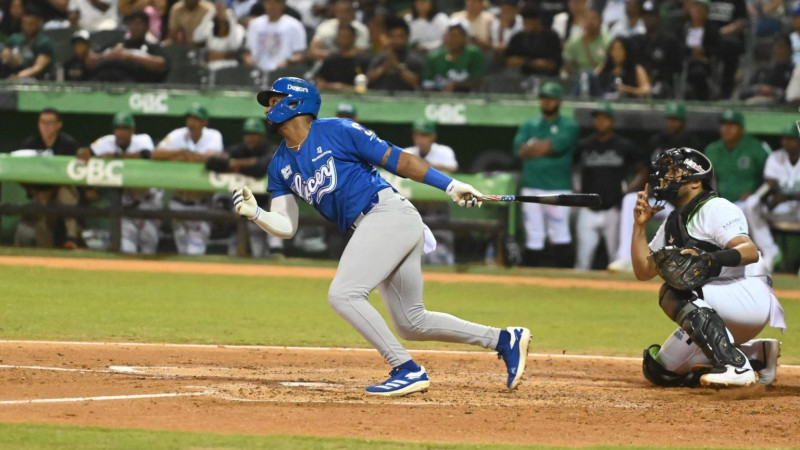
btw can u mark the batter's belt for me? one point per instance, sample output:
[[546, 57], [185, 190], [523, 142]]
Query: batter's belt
[[382, 195]]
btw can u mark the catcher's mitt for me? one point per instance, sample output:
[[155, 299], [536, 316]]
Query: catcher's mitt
[[685, 272]]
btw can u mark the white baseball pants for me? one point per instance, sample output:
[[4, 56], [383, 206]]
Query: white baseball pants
[[545, 221]]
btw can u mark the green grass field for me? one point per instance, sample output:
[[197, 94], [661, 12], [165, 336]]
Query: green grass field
[[65, 304]]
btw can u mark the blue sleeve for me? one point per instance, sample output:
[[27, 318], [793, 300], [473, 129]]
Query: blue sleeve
[[363, 143], [276, 185]]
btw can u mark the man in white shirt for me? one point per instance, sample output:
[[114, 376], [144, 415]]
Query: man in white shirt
[[324, 41], [275, 39], [138, 235], [93, 15], [440, 157], [192, 143], [480, 22]]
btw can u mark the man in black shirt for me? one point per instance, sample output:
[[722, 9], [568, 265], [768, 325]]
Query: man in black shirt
[[135, 60], [536, 50], [76, 68], [730, 17], [251, 157], [41, 230], [659, 52], [398, 68], [605, 161], [339, 69]]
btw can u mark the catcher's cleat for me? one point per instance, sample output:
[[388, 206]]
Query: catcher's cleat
[[772, 350], [729, 376], [401, 382], [516, 355]]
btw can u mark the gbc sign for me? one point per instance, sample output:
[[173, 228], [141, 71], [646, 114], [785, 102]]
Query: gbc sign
[[149, 102], [446, 113], [96, 172]]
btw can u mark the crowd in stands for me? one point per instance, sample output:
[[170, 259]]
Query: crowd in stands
[[688, 49]]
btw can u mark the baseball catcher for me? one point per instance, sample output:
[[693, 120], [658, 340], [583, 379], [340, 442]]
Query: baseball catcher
[[716, 286]]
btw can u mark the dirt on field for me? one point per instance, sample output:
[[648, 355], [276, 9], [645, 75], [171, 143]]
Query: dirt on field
[[562, 401]]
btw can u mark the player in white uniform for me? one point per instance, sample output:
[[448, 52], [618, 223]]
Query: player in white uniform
[[193, 143], [782, 176], [719, 320], [138, 235]]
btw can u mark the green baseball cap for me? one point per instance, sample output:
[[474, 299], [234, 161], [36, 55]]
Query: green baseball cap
[[424, 126], [551, 89], [604, 108], [791, 132], [198, 111], [346, 109], [254, 125], [675, 109], [730, 115], [123, 119]]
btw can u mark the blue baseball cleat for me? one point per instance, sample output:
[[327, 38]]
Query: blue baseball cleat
[[401, 382], [516, 355]]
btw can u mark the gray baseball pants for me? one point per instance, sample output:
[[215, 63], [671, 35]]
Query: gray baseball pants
[[385, 251]]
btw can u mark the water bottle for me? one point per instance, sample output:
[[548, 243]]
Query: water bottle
[[490, 258], [360, 83], [584, 85]]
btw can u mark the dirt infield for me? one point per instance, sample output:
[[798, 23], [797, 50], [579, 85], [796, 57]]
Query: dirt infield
[[562, 401]]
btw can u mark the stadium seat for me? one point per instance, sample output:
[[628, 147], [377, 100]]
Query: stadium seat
[[503, 83], [104, 39], [187, 74], [62, 45], [180, 54], [292, 70], [239, 76]]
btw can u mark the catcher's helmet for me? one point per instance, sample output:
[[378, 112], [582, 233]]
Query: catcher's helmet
[[693, 164], [301, 98]]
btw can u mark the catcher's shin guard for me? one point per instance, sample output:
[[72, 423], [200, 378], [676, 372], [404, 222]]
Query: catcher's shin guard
[[708, 331], [660, 376]]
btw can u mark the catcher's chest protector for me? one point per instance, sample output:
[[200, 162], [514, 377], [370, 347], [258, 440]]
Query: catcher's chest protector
[[675, 230]]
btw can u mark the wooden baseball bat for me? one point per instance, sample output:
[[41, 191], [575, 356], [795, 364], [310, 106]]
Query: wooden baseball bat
[[588, 200]]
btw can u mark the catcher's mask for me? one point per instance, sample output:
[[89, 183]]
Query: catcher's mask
[[692, 165]]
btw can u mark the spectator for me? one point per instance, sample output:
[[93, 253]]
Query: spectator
[[378, 39], [52, 13], [138, 235], [93, 15], [621, 76], [729, 17], [479, 22], [738, 159], [769, 15], [347, 111], [443, 158], [134, 60], [782, 201], [508, 23], [536, 50], [41, 231], [605, 160], [675, 135], [795, 36], [793, 89], [223, 37], [440, 156], [569, 24], [184, 18], [155, 9], [546, 145], [339, 69], [193, 143], [77, 67], [659, 52], [631, 24], [768, 84], [675, 15], [613, 12], [587, 50], [11, 19], [311, 11], [549, 9], [251, 158], [399, 68], [275, 39], [701, 42], [324, 41], [427, 24], [27, 54], [456, 67]]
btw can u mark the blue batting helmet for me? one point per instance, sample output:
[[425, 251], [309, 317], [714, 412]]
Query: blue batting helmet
[[301, 98]]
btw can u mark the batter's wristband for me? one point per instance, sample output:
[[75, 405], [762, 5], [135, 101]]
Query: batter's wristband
[[437, 179], [728, 257], [394, 157], [258, 213]]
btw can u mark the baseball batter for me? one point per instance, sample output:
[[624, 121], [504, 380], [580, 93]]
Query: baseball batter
[[329, 163], [718, 320]]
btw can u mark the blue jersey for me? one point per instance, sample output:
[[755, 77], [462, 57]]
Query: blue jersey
[[333, 170]]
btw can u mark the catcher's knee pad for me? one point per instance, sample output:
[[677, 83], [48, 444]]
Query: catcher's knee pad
[[706, 328], [672, 300], [660, 376]]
